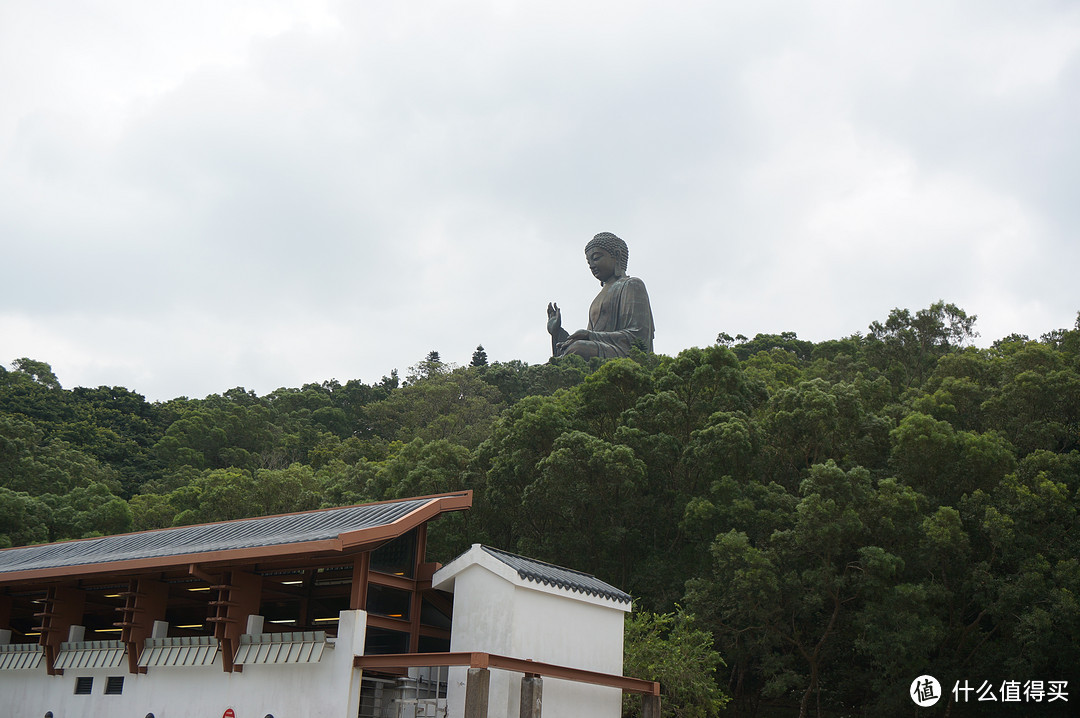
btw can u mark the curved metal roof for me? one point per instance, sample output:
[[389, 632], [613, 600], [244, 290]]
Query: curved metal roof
[[325, 529]]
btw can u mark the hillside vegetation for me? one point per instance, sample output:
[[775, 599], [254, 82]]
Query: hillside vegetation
[[840, 516]]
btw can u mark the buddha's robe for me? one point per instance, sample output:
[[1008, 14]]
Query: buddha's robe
[[620, 317]]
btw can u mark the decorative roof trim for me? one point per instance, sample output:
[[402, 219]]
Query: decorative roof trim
[[549, 574], [522, 571]]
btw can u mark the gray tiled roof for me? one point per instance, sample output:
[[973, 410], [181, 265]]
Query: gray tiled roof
[[550, 574], [226, 536]]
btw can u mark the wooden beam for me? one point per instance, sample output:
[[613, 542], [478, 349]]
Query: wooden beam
[[391, 581], [440, 601], [400, 624], [477, 659]]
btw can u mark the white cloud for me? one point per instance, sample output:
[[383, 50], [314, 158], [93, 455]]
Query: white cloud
[[199, 196]]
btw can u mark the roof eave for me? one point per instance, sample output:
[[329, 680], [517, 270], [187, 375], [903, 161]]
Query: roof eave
[[438, 504], [345, 542]]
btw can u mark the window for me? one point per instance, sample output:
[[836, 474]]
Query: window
[[381, 641], [432, 615], [84, 685], [114, 685], [397, 557], [392, 602], [431, 644]]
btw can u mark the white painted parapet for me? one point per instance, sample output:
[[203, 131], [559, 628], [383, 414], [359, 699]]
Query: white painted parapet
[[327, 687]]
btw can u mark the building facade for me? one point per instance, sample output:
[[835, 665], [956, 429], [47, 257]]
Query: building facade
[[274, 616]]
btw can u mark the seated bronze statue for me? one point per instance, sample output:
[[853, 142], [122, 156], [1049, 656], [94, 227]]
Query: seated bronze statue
[[620, 317]]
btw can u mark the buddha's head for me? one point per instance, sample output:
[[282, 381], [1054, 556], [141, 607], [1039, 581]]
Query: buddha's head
[[615, 248]]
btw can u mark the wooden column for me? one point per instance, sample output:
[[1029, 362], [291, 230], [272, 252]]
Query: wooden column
[[358, 595], [144, 602], [476, 693], [416, 601], [63, 608], [238, 598], [307, 588], [532, 690], [650, 706], [5, 612], [361, 568], [421, 549]]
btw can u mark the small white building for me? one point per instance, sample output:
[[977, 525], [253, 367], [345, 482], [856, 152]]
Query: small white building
[[519, 607]]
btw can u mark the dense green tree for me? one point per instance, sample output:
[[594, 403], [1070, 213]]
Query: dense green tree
[[782, 605], [840, 516], [777, 369], [457, 406], [585, 501], [89, 510], [223, 433], [516, 380], [509, 461], [813, 422], [34, 393], [908, 345], [431, 365], [422, 469], [707, 381], [38, 371], [24, 519], [671, 649], [226, 494], [1038, 404], [30, 463], [787, 342], [609, 392], [151, 511]]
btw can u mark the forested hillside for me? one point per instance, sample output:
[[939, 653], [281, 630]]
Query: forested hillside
[[841, 517]]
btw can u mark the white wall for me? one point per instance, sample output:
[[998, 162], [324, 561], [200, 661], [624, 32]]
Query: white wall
[[483, 621], [555, 629], [329, 688], [497, 612]]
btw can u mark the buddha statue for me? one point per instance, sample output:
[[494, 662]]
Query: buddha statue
[[620, 316]]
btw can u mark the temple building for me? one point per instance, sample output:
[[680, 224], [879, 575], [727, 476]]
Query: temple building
[[335, 612]]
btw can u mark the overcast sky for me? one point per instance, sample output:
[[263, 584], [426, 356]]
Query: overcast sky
[[201, 195]]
